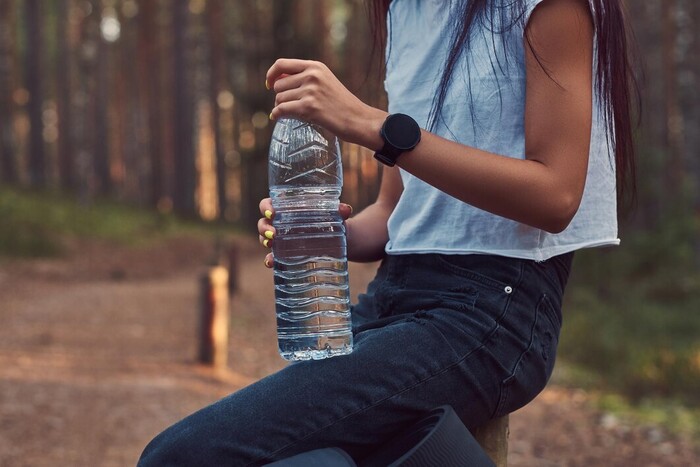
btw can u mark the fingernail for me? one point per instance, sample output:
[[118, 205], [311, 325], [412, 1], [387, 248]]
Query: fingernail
[[350, 208], [269, 234], [266, 243], [267, 85], [266, 263], [270, 116], [268, 214]]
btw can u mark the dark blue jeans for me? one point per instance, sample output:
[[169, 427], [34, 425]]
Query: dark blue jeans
[[477, 332]]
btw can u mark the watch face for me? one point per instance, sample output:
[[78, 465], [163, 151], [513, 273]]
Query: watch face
[[402, 132]]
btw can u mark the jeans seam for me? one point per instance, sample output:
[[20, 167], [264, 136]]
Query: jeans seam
[[505, 383], [502, 400]]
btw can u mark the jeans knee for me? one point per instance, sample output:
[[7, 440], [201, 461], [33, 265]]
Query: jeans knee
[[170, 448]]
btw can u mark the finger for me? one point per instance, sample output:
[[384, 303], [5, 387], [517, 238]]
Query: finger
[[266, 208], [269, 86], [287, 82], [296, 109], [265, 228], [289, 66], [290, 95], [345, 210], [269, 260], [264, 241]]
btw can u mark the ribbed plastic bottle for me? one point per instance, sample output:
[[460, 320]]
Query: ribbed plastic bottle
[[310, 268]]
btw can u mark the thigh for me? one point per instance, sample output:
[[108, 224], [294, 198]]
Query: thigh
[[398, 371], [477, 335]]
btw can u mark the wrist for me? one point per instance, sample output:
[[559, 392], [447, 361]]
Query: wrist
[[367, 127]]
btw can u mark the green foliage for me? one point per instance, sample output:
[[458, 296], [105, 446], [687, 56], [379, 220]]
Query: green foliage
[[632, 313], [666, 412], [35, 224]]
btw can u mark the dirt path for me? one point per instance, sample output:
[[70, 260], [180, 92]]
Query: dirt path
[[97, 356]]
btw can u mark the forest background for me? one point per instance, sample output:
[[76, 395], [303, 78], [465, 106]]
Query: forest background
[[123, 117]]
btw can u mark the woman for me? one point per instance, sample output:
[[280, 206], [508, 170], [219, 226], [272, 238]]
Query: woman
[[524, 110]]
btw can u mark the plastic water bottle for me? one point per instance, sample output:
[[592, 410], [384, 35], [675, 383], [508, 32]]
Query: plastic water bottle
[[311, 277]]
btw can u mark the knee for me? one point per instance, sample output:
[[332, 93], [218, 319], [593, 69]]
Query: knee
[[172, 447], [189, 444]]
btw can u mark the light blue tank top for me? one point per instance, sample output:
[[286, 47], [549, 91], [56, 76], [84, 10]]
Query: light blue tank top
[[427, 220]]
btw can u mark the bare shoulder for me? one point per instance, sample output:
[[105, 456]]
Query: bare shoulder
[[560, 37], [559, 22], [563, 8]]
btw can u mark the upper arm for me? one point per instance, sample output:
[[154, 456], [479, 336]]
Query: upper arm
[[558, 104]]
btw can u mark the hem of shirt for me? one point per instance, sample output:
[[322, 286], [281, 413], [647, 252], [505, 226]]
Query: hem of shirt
[[535, 254]]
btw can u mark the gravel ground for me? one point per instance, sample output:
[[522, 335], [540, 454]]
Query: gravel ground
[[97, 355]]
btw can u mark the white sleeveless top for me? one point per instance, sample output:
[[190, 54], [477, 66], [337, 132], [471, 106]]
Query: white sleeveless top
[[427, 220]]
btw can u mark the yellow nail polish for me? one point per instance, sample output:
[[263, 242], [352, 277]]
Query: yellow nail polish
[[270, 116], [266, 263], [268, 214], [267, 85], [266, 243], [269, 234]]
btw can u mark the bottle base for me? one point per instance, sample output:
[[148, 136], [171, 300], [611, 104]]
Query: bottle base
[[300, 353]]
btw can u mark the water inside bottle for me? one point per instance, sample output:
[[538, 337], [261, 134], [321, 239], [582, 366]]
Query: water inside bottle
[[311, 278]]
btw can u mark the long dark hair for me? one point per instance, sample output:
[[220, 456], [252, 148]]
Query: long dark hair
[[615, 82]]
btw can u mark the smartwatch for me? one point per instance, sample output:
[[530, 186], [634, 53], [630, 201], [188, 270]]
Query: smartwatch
[[401, 134]]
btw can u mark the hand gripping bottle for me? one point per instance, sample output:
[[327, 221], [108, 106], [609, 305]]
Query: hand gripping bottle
[[310, 268]]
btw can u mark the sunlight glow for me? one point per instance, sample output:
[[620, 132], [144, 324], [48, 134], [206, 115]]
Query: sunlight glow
[[110, 28]]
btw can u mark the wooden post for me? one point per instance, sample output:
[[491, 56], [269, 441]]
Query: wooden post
[[213, 335], [493, 437]]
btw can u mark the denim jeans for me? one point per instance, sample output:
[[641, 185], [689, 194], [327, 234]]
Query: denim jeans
[[477, 332]]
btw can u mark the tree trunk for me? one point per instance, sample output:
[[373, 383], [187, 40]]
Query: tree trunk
[[183, 195], [37, 163], [101, 147], [674, 121], [250, 92], [85, 102], [692, 115], [8, 161], [217, 76], [149, 82], [63, 98], [130, 136]]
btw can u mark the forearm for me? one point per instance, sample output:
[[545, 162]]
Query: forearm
[[524, 190]]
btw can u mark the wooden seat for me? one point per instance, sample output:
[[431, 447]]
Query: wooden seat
[[493, 438]]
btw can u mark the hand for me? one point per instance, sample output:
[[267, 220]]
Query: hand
[[309, 91], [267, 232]]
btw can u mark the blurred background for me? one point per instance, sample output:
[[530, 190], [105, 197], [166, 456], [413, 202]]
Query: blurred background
[[163, 104], [133, 153]]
